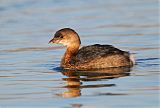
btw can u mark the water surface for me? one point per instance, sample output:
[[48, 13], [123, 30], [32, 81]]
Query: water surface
[[29, 66]]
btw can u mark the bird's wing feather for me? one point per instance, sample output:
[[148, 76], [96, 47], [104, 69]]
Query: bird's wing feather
[[88, 53]]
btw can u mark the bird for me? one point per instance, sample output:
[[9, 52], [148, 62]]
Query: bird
[[89, 57]]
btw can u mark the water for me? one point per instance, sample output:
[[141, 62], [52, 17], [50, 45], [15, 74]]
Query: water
[[29, 73]]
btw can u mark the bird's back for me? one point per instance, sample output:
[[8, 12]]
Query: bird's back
[[89, 53]]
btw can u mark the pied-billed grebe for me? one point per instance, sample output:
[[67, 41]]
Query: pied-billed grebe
[[89, 57]]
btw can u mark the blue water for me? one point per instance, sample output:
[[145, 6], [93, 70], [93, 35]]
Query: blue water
[[29, 67]]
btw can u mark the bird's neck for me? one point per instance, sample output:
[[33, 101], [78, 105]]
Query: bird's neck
[[69, 54]]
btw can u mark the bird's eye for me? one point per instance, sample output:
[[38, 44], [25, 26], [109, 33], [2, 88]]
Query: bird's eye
[[58, 35], [61, 36]]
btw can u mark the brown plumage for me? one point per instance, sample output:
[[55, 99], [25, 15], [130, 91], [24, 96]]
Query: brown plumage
[[89, 57]]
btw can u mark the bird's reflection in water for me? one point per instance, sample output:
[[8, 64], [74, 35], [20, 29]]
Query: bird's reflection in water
[[75, 78]]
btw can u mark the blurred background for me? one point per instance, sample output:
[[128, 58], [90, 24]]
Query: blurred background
[[29, 66]]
